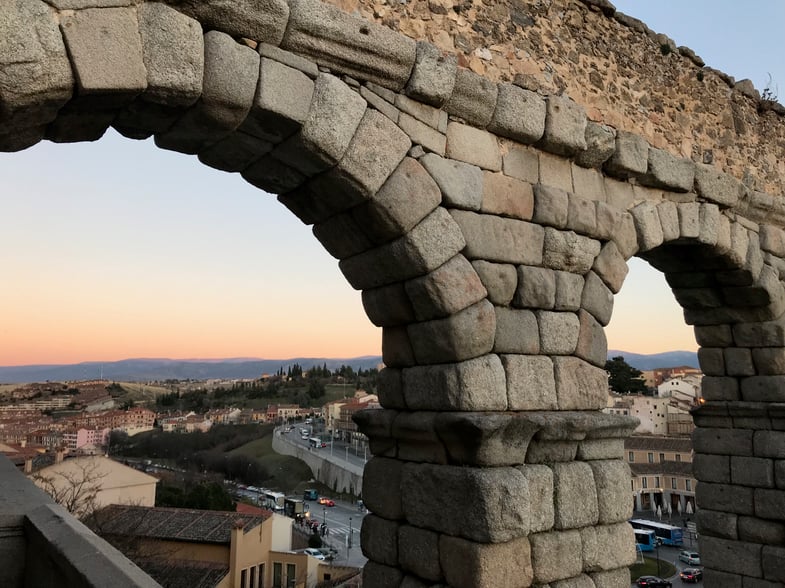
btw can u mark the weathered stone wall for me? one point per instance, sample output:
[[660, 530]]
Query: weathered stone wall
[[488, 227], [624, 74], [337, 474]]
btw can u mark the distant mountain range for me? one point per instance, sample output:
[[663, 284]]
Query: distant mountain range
[[145, 370], [658, 360]]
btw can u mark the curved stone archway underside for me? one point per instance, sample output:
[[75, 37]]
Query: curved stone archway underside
[[488, 228]]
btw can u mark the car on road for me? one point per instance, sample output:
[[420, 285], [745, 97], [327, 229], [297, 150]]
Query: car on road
[[313, 552], [690, 557], [693, 575], [324, 501], [652, 582]]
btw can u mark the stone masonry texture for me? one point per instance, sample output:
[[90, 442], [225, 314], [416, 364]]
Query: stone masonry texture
[[482, 173]]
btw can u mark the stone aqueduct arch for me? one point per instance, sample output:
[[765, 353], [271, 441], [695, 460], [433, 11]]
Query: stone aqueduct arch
[[488, 228]]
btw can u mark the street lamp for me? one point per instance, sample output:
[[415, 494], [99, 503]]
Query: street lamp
[[350, 532], [324, 516]]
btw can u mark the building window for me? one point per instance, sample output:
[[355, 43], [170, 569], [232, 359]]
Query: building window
[[657, 481], [252, 577], [277, 574], [674, 485], [291, 575], [261, 575], [662, 457], [688, 484], [644, 482], [678, 457], [632, 456], [244, 578], [650, 457]]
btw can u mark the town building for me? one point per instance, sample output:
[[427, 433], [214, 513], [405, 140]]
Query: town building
[[84, 484], [661, 473], [187, 548], [281, 413]]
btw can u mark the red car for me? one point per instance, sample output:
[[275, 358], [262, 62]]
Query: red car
[[326, 501], [691, 575]]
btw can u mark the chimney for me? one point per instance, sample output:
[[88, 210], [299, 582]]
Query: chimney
[[29, 465], [59, 454], [23, 443]]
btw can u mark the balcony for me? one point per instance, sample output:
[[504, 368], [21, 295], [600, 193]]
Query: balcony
[[41, 544]]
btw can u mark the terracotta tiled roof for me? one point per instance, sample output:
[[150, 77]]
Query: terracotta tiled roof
[[655, 443], [244, 508], [174, 573], [666, 468], [178, 524]]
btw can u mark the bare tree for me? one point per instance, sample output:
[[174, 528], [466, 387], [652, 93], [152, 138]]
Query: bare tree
[[77, 490]]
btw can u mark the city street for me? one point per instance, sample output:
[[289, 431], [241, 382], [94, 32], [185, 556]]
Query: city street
[[344, 519], [343, 522], [338, 450], [671, 555], [667, 553]]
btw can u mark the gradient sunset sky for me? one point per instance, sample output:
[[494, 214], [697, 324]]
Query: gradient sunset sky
[[116, 249]]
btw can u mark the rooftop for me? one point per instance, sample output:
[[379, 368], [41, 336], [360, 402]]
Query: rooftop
[[179, 524], [655, 443]]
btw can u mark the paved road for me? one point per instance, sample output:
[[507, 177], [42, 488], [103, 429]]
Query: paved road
[[671, 554], [343, 520], [337, 450]]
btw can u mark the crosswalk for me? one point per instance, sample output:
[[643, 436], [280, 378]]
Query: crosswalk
[[340, 533]]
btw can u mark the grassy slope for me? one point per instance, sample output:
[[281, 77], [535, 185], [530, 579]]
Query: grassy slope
[[287, 473], [649, 568]]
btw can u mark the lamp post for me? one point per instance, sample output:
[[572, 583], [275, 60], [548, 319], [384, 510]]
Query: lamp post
[[324, 516], [350, 532]]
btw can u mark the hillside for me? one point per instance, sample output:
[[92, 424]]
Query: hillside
[[148, 370], [657, 360]]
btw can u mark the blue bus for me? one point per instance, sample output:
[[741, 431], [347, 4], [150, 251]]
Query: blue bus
[[645, 539], [667, 534]]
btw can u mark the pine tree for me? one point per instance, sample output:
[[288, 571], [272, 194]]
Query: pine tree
[[623, 378]]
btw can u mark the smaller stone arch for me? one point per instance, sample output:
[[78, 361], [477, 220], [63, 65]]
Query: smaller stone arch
[[488, 228]]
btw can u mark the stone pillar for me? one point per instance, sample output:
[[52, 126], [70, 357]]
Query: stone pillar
[[739, 448], [740, 467], [496, 498]]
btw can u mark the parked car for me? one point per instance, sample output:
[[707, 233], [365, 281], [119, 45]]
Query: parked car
[[690, 557], [693, 575], [652, 582], [313, 552], [326, 501]]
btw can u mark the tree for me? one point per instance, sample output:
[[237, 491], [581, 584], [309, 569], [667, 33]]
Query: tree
[[201, 496], [623, 378], [316, 389], [76, 490]]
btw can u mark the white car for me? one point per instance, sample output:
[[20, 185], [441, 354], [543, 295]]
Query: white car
[[690, 557], [314, 553]]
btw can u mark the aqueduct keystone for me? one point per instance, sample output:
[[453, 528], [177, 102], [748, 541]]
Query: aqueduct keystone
[[488, 225]]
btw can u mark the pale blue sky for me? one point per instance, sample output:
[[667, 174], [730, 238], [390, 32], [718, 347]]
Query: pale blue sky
[[117, 249]]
